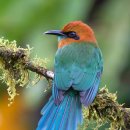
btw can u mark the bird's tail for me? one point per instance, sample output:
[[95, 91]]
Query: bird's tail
[[65, 116]]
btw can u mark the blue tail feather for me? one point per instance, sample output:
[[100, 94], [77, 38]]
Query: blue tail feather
[[65, 116]]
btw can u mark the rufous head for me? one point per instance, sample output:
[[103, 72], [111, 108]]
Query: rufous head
[[74, 32]]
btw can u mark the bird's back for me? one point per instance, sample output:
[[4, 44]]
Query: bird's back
[[73, 62]]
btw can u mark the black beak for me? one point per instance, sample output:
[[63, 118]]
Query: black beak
[[55, 32]]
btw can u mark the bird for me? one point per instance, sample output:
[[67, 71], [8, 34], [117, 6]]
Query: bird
[[78, 67]]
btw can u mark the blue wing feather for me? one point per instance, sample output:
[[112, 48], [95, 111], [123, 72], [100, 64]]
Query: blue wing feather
[[85, 82], [62, 80], [88, 96], [57, 94]]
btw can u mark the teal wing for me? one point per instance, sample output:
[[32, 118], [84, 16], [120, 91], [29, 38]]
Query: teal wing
[[87, 96], [77, 66]]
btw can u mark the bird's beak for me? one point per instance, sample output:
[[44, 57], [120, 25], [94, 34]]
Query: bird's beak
[[55, 32]]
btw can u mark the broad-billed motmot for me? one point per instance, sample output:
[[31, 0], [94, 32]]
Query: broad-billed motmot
[[78, 68]]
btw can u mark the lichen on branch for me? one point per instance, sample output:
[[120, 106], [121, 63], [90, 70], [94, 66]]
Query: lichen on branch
[[106, 110], [15, 64]]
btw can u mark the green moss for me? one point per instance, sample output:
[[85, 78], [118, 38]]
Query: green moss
[[104, 109], [12, 65], [38, 62]]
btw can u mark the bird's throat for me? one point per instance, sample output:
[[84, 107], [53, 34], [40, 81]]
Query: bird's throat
[[60, 38]]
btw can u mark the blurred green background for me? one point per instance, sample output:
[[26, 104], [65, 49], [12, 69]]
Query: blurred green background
[[26, 20]]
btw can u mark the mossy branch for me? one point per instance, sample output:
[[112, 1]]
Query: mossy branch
[[15, 64], [106, 109]]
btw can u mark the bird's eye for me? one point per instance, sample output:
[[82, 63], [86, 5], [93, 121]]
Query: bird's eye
[[73, 35]]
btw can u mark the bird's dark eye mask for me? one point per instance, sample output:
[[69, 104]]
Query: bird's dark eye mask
[[72, 34]]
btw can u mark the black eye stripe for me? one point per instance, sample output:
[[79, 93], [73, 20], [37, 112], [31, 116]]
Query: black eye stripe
[[72, 34]]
